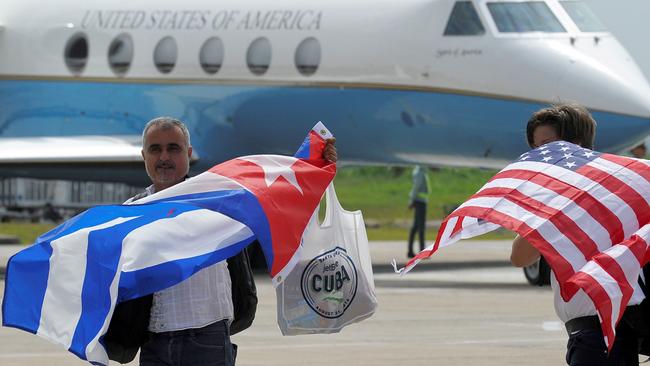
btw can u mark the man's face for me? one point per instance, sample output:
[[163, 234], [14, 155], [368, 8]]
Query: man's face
[[639, 151], [166, 156], [544, 134]]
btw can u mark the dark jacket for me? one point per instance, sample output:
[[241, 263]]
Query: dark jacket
[[128, 328]]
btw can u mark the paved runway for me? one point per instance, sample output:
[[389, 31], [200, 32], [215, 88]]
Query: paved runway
[[465, 306]]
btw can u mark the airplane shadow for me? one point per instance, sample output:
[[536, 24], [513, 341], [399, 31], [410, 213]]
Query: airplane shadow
[[427, 266], [401, 283], [442, 266]]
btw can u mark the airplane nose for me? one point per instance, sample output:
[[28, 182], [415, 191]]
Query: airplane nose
[[605, 75], [612, 89], [635, 89]]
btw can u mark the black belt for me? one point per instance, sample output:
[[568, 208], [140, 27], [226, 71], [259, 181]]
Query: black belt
[[191, 331], [592, 322], [582, 323]]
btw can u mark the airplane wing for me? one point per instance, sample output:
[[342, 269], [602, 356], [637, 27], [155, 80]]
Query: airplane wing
[[71, 149], [96, 158]]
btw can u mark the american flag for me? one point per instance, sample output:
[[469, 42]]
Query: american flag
[[585, 211]]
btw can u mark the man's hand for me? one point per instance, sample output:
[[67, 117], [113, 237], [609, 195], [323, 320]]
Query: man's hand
[[329, 153]]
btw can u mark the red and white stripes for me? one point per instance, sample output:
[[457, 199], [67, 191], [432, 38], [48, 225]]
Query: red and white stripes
[[589, 223]]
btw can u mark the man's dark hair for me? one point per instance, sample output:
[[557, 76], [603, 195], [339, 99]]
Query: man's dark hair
[[572, 123]]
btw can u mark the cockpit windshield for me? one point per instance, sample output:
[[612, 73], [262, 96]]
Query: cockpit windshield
[[582, 15], [464, 20], [528, 16]]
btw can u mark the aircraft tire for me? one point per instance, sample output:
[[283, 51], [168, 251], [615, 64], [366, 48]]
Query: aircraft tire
[[538, 273]]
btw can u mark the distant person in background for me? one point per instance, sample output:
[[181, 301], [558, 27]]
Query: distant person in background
[[419, 197], [639, 151], [50, 214], [586, 347]]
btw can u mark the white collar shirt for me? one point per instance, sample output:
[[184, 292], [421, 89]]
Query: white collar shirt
[[202, 299], [580, 304]]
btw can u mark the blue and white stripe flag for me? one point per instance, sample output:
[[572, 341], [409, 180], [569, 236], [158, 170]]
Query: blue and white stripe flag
[[65, 286]]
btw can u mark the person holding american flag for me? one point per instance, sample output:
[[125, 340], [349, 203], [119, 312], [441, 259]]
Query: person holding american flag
[[588, 214], [586, 345]]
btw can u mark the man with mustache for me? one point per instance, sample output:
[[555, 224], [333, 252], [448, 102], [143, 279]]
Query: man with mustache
[[188, 323]]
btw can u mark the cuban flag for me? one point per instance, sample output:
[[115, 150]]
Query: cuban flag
[[65, 286]]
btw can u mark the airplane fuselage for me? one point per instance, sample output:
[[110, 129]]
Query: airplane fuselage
[[251, 77]]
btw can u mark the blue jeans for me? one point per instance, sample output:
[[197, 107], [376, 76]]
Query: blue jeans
[[207, 346]]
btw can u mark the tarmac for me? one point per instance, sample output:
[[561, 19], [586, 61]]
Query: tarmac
[[464, 306]]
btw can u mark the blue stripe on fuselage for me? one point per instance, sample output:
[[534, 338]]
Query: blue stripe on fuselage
[[227, 121]]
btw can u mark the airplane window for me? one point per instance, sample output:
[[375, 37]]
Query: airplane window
[[308, 56], [582, 15], [211, 56], [165, 55], [120, 54], [76, 53], [529, 16], [258, 56], [464, 20]]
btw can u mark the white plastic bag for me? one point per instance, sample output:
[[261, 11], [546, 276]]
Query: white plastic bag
[[332, 284]]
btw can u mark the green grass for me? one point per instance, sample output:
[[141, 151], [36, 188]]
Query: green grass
[[26, 232], [380, 193]]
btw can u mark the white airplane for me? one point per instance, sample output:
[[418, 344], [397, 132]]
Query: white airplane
[[438, 82]]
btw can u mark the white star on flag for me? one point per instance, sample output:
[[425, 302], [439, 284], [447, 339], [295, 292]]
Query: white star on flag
[[276, 167]]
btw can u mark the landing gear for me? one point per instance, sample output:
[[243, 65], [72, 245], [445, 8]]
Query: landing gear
[[538, 273]]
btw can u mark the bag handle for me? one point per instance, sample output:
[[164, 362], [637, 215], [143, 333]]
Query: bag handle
[[331, 203]]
